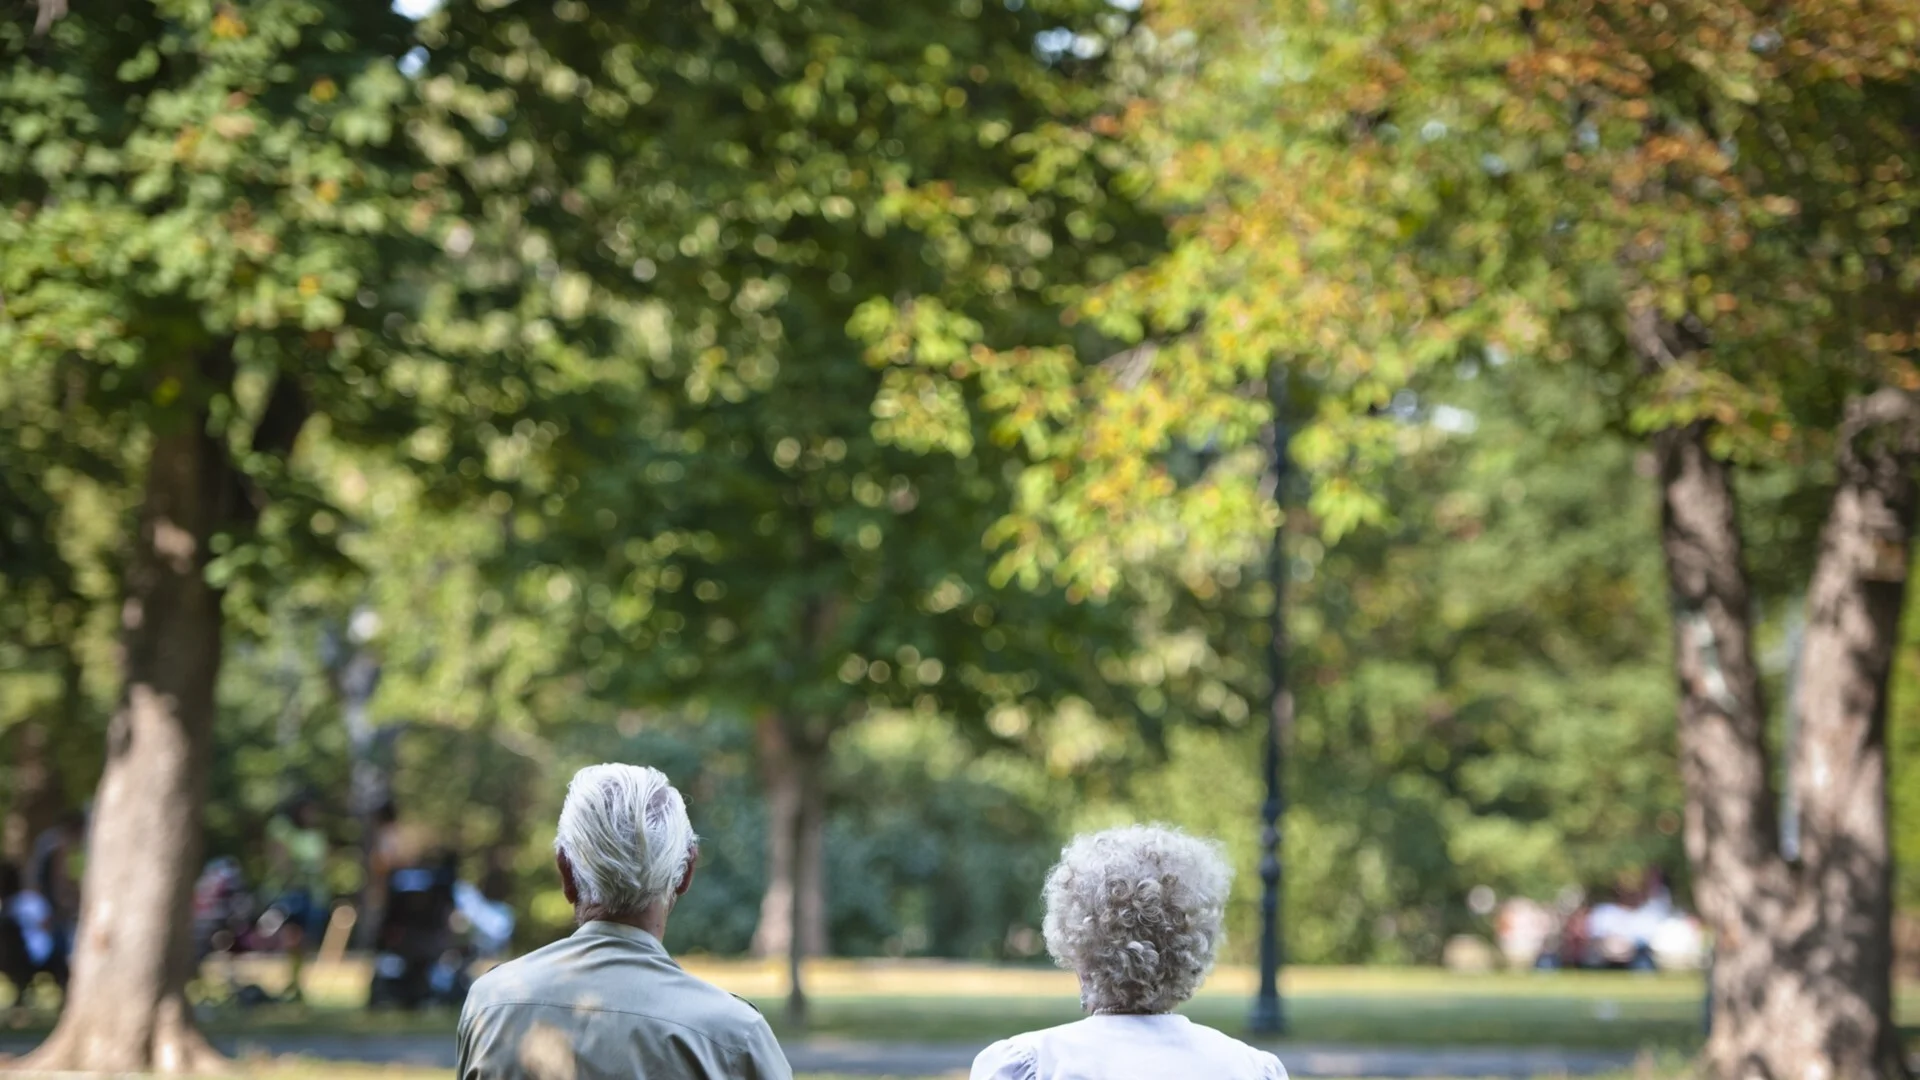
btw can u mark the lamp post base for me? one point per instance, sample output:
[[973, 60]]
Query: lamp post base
[[1267, 1018]]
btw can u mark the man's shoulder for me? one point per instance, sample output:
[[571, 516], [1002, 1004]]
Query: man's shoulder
[[705, 1007], [642, 992], [528, 978]]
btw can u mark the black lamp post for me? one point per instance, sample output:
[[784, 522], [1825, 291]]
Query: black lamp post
[[1268, 1017], [355, 667]]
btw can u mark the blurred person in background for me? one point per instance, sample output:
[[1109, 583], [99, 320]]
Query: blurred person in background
[[433, 927], [488, 915], [54, 871], [1136, 913], [394, 845], [609, 1000], [1523, 929], [1633, 923], [419, 959], [26, 935], [297, 882]]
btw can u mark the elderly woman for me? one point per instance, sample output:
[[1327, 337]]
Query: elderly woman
[[1135, 912]]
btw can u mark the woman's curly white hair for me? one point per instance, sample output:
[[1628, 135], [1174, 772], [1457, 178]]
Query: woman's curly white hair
[[1137, 912]]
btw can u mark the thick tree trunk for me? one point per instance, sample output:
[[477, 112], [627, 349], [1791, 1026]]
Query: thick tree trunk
[[1740, 883], [793, 774], [127, 1009], [1801, 952], [1845, 956]]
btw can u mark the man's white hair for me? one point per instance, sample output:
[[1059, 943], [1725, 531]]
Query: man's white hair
[[625, 832], [1136, 912]]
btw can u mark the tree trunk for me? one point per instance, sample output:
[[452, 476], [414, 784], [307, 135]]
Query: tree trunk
[[796, 823], [810, 919], [1843, 959], [807, 918], [127, 1009], [793, 774], [1800, 977]]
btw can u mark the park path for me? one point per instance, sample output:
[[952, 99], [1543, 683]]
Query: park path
[[864, 1057]]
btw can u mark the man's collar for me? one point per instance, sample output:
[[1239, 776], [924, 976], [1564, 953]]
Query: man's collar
[[603, 928]]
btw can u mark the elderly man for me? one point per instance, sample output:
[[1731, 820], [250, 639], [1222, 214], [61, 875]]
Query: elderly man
[[608, 1001]]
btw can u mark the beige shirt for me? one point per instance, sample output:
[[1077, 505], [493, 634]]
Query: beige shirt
[[609, 1002]]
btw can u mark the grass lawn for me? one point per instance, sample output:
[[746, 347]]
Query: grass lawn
[[942, 1002], [1369, 1006], [1539, 1019]]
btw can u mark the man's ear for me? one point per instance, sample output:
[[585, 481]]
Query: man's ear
[[567, 886], [686, 880]]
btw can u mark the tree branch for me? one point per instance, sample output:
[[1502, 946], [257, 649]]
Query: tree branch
[[1130, 366], [1887, 409], [51, 11], [286, 413]]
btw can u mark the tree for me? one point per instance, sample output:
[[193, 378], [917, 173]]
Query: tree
[[737, 190], [209, 212], [1703, 203], [1479, 685], [1779, 326]]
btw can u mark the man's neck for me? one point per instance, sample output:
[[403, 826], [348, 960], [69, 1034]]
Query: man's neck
[[652, 919]]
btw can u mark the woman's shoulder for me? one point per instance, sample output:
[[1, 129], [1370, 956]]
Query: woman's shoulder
[[1014, 1058], [1018, 1057], [1021, 1056], [1227, 1047]]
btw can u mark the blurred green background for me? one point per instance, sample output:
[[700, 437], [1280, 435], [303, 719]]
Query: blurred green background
[[874, 404]]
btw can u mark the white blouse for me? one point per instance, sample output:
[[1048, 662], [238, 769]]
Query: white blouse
[[1108, 1047]]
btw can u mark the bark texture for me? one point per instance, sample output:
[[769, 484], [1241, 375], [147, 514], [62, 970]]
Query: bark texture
[[127, 1010], [1803, 950], [1843, 964]]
